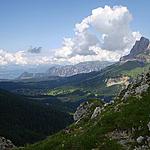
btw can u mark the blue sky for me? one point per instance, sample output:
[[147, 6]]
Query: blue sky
[[45, 22]]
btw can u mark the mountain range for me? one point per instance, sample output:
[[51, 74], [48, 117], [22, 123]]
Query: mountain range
[[83, 67]]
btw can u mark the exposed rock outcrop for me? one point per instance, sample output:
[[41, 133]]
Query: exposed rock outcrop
[[140, 139], [89, 110], [96, 112], [122, 80], [82, 111], [6, 144], [148, 125], [137, 87], [122, 137]]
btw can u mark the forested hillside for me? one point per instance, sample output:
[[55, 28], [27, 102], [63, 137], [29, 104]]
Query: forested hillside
[[24, 121]]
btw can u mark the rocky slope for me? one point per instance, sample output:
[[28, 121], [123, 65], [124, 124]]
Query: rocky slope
[[6, 144], [140, 51], [122, 80], [123, 124]]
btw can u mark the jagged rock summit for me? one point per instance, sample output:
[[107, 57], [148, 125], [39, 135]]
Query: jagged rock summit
[[139, 52]]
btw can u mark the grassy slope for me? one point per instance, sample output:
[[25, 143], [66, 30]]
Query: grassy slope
[[138, 70], [90, 134]]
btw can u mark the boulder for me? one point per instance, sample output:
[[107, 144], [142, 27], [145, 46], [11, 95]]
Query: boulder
[[96, 112], [140, 139]]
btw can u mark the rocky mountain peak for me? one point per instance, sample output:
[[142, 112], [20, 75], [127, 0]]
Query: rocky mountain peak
[[140, 46], [138, 51]]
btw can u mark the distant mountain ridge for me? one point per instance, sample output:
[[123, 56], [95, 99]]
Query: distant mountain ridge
[[67, 70], [10, 72], [83, 67]]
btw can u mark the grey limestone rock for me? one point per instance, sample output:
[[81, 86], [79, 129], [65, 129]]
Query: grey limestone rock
[[96, 112], [81, 111], [6, 144], [140, 139], [148, 125]]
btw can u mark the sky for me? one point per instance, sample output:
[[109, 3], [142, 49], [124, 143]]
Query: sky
[[58, 31]]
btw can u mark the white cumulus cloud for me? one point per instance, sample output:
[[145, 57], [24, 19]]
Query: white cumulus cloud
[[104, 35]]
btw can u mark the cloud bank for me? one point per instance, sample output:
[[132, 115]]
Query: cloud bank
[[12, 58], [105, 35], [22, 58]]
